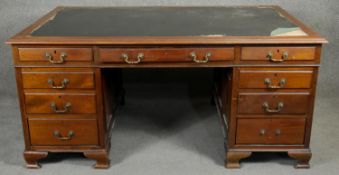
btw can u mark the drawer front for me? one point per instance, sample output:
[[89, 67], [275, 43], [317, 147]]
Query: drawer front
[[57, 78], [60, 103], [278, 54], [55, 55], [270, 131], [54, 132], [139, 55], [275, 78], [273, 103]]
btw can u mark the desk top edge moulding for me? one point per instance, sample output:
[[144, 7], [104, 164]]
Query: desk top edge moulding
[[69, 67], [200, 18]]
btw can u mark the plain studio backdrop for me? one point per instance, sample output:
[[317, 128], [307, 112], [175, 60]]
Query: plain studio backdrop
[[166, 127]]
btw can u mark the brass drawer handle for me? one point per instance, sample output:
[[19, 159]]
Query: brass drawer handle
[[277, 132], [207, 56], [67, 107], [69, 136], [283, 57], [262, 132], [268, 83], [277, 109], [63, 83], [125, 57], [50, 58]]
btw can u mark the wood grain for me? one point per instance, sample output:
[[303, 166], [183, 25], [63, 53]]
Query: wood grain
[[38, 54], [113, 55], [291, 131], [42, 130], [294, 53], [295, 78], [40, 103], [37, 78], [294, 103], [93, 67]]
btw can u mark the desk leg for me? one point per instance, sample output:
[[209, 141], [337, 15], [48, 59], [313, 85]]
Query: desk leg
[[302, 157], [32, 158], [101, 157], [233, 158]]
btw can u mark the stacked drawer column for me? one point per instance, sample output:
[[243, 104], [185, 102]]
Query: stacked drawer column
[[272, 103], [59, 95]]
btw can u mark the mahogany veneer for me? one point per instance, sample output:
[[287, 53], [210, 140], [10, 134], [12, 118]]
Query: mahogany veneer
[[84, 131], [271, 131], [68, 69], [39, 54], [166, 54], [50, 78], [294, 53]]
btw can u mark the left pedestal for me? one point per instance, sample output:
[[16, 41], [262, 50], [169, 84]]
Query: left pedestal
[[64, 109]]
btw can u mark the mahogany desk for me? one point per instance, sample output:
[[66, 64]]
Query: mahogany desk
[[68, 71]]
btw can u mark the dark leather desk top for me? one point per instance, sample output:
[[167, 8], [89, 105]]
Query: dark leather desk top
[[167, 21], [167, 26]]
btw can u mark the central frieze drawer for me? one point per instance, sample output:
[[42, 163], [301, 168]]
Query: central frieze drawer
[[275, 78], [63, 132], [60, 103], [139, 55], [270, 131], [57, 78], [273, 103]]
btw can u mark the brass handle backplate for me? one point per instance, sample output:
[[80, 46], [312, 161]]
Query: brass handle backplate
[[69, 136], [125, 57], [262, 132], [266, 107], [207, 56], [277, 132], [268, 83], [65, 109], [50, 58], [62, 85], [284, 56]]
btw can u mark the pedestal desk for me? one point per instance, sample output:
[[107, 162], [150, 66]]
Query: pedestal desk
[[68, 70]]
